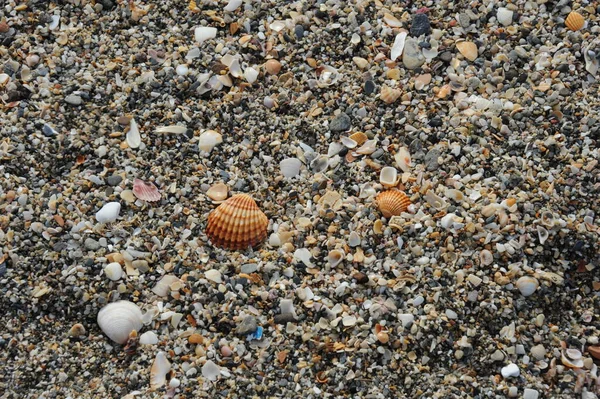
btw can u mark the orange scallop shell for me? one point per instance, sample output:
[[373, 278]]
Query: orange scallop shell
[[575, 21], [237, 223], [392, 203]]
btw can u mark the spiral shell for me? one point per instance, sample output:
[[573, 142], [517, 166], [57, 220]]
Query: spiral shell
[[575, 21], [237, 223], [118, 319], [392, 203]]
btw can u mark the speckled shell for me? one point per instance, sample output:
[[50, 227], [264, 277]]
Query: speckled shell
[[392, 203], [575, 21], [237, 223], [389, 95]]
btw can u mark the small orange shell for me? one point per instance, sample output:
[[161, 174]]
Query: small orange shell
[[575, 21], [359, 137], [237, 223], [392, 203]]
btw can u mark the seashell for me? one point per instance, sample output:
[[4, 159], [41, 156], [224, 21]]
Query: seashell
[[182, 70], [594, 351], [455, 194], [133, 137], [328, 76], [113, 271], [118, 319], [468, 50], [175, 129], [77, 330], [391, 20], [575, 21], [109, 212], [449, 221], [210, 370], [398, 46], [163, 286], [571, 363], [435, 201], [403, 160], [367, 148], [319, 164], [209, 140], [548, 219], [273, 67], [159, 370], [237, 223], [348, 142], [527, 285], [389, 95], [334, 149], [148, 338], [359, 138], [354, 239], [145, 191], [250, 74], [485, 257], [335, 257], [392, 203], [233, 5], [235, 69], [204, 33], [217, 192], [573, 354], [388, 176], [542, 234]]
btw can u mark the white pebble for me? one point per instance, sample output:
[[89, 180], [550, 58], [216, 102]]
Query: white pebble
[[213, 275], [504, 16], [203, 33], [182, 70], [113, 271], [148, 338], [511, 370], [530, 394]]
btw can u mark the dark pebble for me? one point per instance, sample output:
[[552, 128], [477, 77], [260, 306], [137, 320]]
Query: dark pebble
[[114, 180], [340, 123], [436, 122], [420, 25], [361, 278], [299, 32], [284, 318], [369, 87]]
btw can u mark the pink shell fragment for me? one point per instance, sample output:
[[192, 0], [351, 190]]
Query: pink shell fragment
[[145, 191]]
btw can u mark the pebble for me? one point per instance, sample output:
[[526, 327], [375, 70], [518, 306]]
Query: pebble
[[511, 370], [114, 180], [431, 159], [91, 244], [340, 123], [420, 25], [412, 56], [73, 99], [530, 394], [247, 326], [109, 212]]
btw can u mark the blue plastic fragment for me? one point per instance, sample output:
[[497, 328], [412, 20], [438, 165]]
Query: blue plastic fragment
[[256, 334]]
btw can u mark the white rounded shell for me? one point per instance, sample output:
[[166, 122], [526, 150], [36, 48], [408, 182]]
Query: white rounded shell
[[118, 319], [290, 167]]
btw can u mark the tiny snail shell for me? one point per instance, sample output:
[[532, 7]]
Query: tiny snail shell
[[527, 285], [118, 319]]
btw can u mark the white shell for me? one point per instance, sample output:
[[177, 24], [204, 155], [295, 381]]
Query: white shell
[[335, 257], [148, 338], [435, 201], [511, 370], [398, 45], [388, 176], [573, 354], [329, 76], [454, 194], [210, 370], [235, 69], [542, 234], [233, 5], [354, 239], [213, 275], [133, 137], [290, 167], [159, 370], [118, 319], [527, 285], [113, 271], [175, 129], [250, 74], [348, 142], [486, 257], [447, 221], [368, 147], [203, 33], [572, 363], [504, 16], [109, 212], [162, 287], [209, 139], [548, 219], [182, 70], [403, 160]]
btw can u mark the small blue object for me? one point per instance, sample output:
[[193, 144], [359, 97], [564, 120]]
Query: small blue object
[[256, 334]]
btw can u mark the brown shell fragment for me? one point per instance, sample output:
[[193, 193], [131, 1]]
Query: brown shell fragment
[[237, 223], [575, 21], [392, 203]]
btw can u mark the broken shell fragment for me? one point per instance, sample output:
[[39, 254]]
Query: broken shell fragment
[[163, 286], [209, 140], [542, 234], [403, 160], [468, 50], [158, 373], [388, 95], [290, 167], [237, 223], [145, 191], [118, 319], [392, 203], [335, 257]]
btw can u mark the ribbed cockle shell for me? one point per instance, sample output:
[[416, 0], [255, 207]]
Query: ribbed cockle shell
[[392, 203], [237, 223], [575, 21], [145, 191], [118, 319]]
